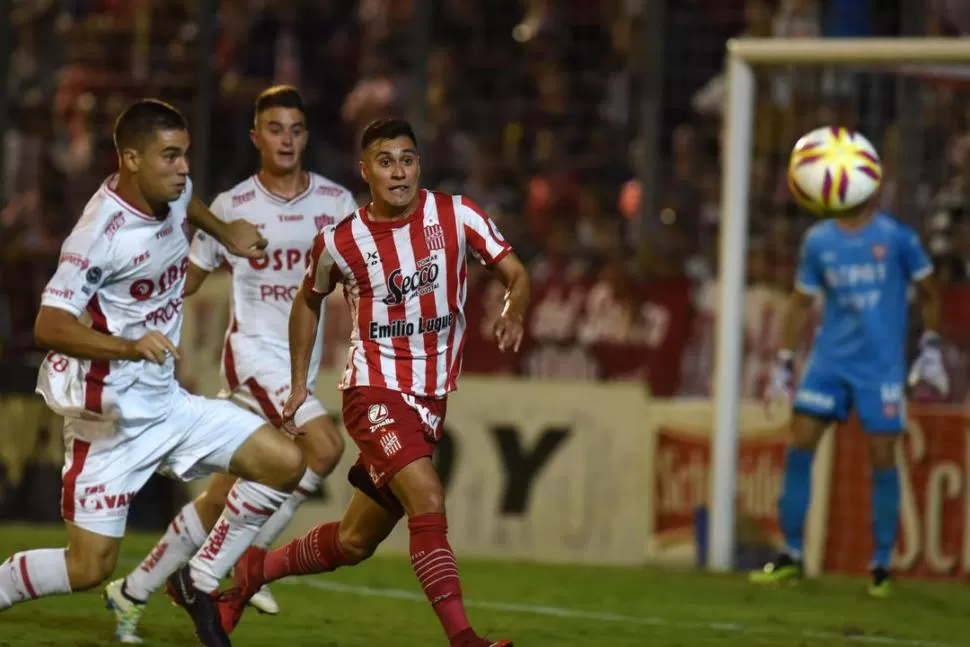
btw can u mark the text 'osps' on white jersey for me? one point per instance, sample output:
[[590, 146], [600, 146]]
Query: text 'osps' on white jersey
[[263, 289]]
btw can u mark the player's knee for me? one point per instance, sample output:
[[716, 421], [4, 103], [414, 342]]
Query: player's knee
[[430, 499], [210, 504], [323, 457], [87, 569], [882, 452], [213, 499], [289, 467], [355, 545], [806, 432]]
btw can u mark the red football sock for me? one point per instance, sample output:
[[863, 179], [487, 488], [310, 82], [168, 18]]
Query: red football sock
[[434, 564], [318, 551]]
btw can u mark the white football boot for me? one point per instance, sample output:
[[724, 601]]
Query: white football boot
[[128, 613], [264, 602]]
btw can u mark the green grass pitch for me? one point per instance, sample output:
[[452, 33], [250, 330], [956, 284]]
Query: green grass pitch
[[380, 604]]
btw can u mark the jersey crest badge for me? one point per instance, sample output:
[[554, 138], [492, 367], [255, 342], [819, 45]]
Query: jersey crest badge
[[434, 237]]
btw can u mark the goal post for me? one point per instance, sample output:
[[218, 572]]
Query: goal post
[[743, 56]]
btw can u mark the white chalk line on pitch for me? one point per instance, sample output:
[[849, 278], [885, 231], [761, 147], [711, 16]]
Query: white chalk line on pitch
[[558, 612]]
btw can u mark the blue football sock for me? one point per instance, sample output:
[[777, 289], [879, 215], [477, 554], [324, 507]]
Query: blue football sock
[[796, 494], [885, 514]]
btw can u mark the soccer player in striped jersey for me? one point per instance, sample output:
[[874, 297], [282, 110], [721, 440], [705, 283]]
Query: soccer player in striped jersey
[[402, 263]]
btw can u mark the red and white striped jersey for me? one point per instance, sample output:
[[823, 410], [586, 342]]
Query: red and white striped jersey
[[125, 270], [263, 289], [406, 283]]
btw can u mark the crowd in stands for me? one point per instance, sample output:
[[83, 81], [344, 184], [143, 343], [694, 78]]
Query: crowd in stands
[[530, 107]]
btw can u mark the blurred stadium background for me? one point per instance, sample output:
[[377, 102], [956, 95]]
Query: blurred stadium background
[[590, 130]]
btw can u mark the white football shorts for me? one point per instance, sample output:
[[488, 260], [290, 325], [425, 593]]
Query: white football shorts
[[107, 462], [261, 378]]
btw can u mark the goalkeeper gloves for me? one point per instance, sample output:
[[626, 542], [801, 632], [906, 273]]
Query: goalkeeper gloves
[[782, 384], [928, 369]]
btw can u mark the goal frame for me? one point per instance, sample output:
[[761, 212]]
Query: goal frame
[[743, 55]]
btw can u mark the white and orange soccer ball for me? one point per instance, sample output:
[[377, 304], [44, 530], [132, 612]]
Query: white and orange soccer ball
[[833, 170]]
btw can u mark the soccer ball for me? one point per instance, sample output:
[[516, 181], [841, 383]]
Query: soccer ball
[[833, 170]]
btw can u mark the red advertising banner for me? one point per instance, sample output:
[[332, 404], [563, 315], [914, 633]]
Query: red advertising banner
[[934, 536], [579, 328], [955, 328], [682, 468]]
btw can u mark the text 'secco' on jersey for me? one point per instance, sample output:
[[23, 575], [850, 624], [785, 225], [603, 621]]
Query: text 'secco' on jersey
[[406, 283]]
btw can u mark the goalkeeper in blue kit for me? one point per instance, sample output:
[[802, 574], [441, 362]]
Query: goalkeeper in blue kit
[[861, 266]]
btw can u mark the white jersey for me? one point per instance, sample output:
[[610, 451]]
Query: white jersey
[[263, 289], [125, 270]]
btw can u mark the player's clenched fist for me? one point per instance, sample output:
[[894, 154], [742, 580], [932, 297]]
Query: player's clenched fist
[[298, 395], [244, 239], [153, 347]]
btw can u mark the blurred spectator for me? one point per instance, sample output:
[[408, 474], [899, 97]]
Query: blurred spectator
[[485, 184], [948, 17], [849, 18], [531, 108], [281, 43], [374, 96], [552, 195]]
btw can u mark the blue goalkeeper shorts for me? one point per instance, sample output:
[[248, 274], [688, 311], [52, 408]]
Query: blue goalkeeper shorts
[[825, 393]]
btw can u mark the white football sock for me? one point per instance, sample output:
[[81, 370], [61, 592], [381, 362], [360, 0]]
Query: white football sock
[[33, 574], [273, 528], [181, 540], [248, 507]]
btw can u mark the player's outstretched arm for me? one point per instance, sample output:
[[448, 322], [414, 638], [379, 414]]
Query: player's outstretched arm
[[60, 331], [509, 328], [932, 303], [321, 277], [793, 323], [239, 237], [782, 384], [304, 324], [929, 368]]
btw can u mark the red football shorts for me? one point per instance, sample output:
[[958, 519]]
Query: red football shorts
[[391, 430]]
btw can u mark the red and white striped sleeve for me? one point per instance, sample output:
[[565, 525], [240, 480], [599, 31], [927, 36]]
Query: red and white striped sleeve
[[481, 233], [322, 273]]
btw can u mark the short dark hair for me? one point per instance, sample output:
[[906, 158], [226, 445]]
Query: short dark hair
[[143, 119], [386, 129], [279, 96]]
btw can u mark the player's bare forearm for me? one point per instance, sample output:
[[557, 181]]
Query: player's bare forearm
[[304, 323], [239, 237], [60, 331], [513, 275], [202, 217], [796, 312], [194, 279], [932, 303]]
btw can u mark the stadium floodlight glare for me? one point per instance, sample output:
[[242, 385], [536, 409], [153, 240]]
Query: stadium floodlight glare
[[743, 55]]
